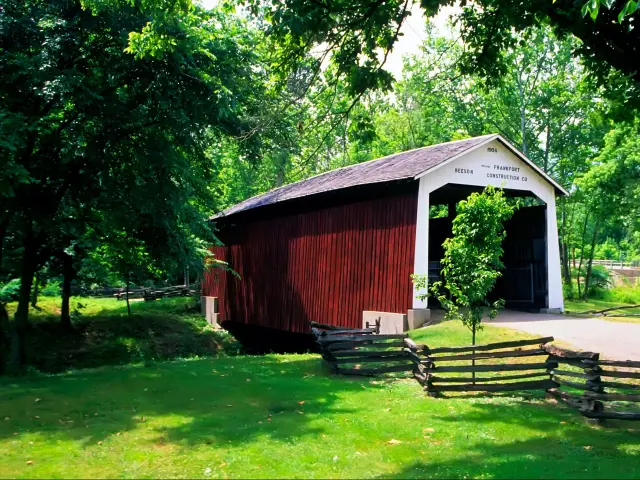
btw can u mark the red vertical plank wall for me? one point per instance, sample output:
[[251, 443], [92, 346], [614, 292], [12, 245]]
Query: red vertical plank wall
[[326, 265]]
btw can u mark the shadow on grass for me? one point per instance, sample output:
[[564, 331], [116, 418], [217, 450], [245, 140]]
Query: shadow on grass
[[564, 449], [222, 402], [524, 394]]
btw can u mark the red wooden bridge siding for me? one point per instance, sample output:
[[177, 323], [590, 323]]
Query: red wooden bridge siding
[[326, 265]]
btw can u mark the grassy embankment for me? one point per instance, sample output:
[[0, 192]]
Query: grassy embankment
[[104, 334]]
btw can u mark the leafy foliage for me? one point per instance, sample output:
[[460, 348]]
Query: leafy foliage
[[9, 291], [607, 199], [109, 130], [592, 7], [125, 125], [354, 32], [51, 289]]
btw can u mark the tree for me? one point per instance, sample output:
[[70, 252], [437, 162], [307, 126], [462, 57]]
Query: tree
[[107, 130], [609, 193], [472, 259], [545, 104], [361, 33]]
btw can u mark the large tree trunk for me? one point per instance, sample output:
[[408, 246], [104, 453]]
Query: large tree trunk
[[67, 278], [21, 318]]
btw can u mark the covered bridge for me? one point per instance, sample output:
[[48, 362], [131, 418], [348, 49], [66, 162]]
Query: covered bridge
[[346, 241]]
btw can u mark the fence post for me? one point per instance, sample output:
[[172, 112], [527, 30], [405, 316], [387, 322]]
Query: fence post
[[594, 385], [430, 392]]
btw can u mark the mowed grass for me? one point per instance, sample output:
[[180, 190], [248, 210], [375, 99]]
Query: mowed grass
[[286, 416], [49, 307], [573, 306], [620, 295], [452, 333]]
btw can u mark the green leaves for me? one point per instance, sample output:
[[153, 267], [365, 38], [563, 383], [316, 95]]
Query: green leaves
[[629, 9], [592, 7], [357, 34], [106, 111], [356, 37]]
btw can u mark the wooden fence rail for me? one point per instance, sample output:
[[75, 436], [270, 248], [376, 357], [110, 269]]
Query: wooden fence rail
[[585, 389], [361, 351], [155, 293], [430, 363]]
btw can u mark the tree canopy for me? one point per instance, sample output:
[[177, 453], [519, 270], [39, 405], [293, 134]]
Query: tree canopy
[[360, 34]]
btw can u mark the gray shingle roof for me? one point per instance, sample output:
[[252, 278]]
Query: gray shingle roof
[[398, 166]]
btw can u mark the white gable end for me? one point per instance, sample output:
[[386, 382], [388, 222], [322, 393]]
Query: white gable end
[[490, 164]]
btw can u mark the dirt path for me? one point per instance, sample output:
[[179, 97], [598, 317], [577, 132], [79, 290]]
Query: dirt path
[[614, 340]]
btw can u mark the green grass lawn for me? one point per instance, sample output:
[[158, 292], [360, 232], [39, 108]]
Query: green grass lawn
[[579, 306], [285, 416], [452, 333], [49, 307], [620, 295]]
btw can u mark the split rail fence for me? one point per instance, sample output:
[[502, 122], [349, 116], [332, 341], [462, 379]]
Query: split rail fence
[[582, 373], [362, 351], [575, 378], [155, 293], [439, 369]]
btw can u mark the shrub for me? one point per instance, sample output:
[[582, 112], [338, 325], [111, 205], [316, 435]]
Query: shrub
[[51, 289], [568, 290], [10, 290], [600, 277], [620, 295], [600, 280]]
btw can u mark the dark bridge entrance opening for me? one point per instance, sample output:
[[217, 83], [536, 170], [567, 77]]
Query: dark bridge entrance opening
[[523, 284]]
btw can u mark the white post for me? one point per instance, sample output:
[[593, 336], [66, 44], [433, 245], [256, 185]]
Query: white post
[[556, 300], [421, 261]]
